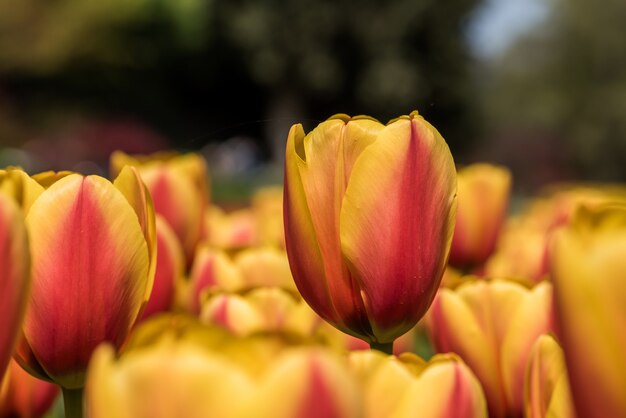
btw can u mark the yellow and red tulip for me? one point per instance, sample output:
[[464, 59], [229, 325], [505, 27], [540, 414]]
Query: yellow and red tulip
[[26, 396], [212, 269], [166, 380], [588, 259], [170, 266], [492, 326], [369, 215], [179, 188], [483, 197], [230, 231], [14, 276], [546, 388], [306, 383], [93, 258], [267, 206], [407, 386]]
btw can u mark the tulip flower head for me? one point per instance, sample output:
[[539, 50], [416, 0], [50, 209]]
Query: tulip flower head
[[483, 191], [588, 259], [369, 213], [492, 326], [93, 256]]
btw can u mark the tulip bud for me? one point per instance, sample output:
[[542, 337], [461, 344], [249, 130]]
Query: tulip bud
[[492, 327], [230, 231], [179, 188], [14, 276], [93, 256], [483, 197], [588, 259], [267, 206], [369, 213], [546, 388], [306, 383], [260, 310], [211, 270], [166, 380], [26, 396], [406, 386], [265, 266], [170, 265]]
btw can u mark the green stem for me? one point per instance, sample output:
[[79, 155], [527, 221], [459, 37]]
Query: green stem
[[73, 402], [386, 348]]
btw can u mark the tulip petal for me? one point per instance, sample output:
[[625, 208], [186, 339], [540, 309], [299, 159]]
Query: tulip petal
[[14, 276], [136, 193], [20, 186], [397, 220], [90, 272]]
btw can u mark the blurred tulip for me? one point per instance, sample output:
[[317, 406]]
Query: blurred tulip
[[212, 269], [261, 310], [306, 383], [26, 396], [228, 231], [522, 251], [492, 327], [14, 276], [406, 386], [93, 257], [165, 380], [369, 214], [546, 388], [588, 260], [170, 266], [179, 188], [20, 186], [267, 206], [265, 266], [483, 197]]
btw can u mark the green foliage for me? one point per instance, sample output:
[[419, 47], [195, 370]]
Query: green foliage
[[566, 81]]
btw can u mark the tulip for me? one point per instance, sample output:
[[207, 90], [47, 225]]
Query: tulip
[[546, 388], [306, 383], [265, 266], [267, 206], [261, 310], [169, 379], [26, 396], [230, 231], [179, 188], [588, 259], [483, 196], [14, 276], [492, 326], [93, 258], [407, 386], [369, 214], [212, 270], [170, 265]]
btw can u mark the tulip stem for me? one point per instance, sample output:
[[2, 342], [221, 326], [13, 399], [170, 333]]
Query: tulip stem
[[73, 402], [386, 348]]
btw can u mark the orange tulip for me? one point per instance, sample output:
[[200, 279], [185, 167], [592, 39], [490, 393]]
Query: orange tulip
[[588, 259], [483, 195], [179, 188], [492, 326], [14, 276], [369, 214], [93, 257], [26, 396]]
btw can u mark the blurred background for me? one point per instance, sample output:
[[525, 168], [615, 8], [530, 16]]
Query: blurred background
[[537, 85]]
